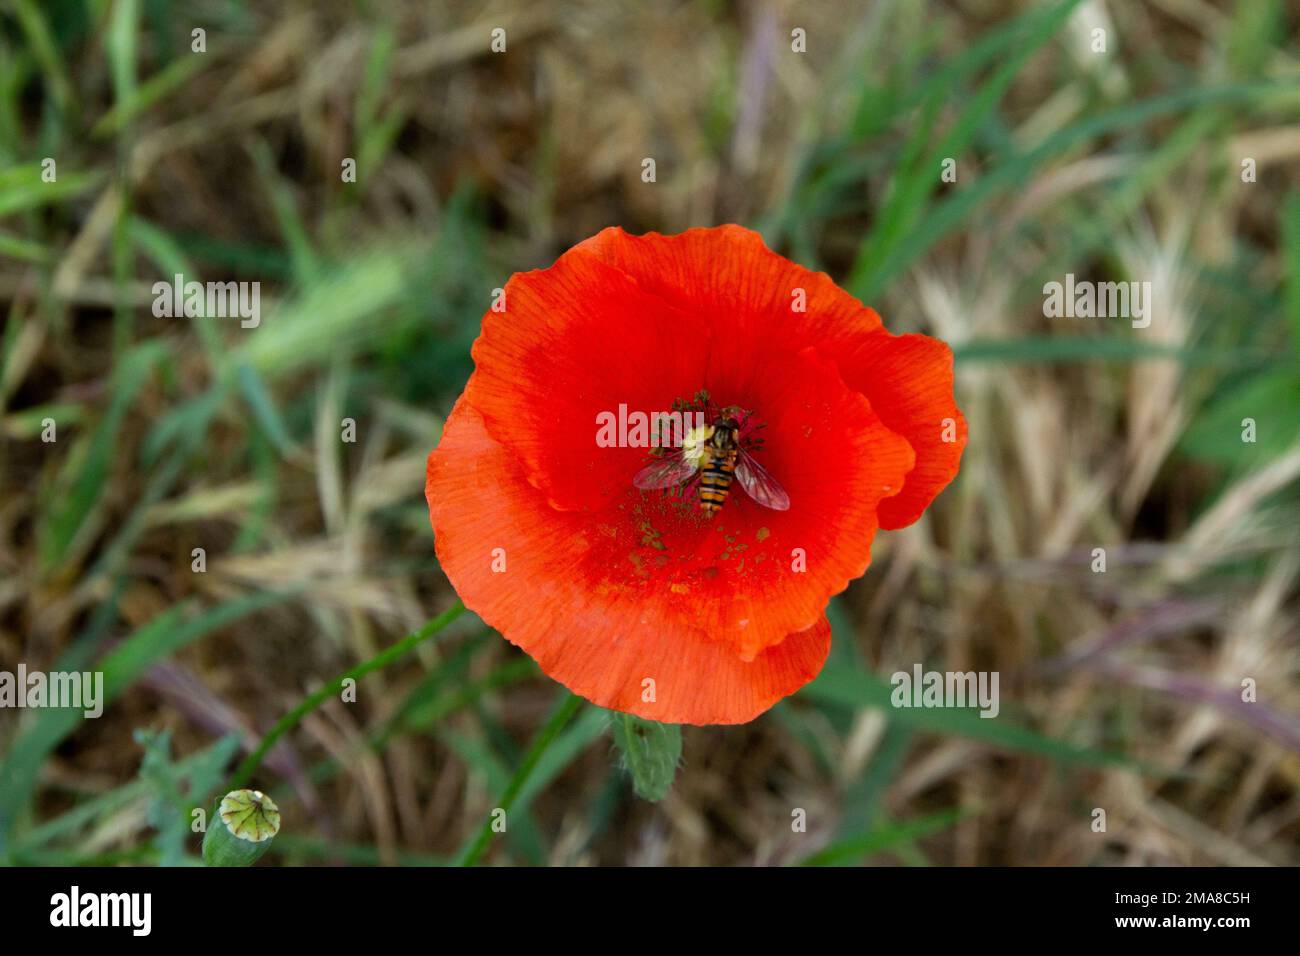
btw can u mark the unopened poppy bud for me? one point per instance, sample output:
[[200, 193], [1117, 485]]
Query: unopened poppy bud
[[249, 821], [651, 752]]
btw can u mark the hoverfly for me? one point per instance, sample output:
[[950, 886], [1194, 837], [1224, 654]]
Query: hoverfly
[[716, 453]]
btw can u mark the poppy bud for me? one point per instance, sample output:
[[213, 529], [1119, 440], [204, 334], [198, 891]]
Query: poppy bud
[[651, 752], [249, 821]]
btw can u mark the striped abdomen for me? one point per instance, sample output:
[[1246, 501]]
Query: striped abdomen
[[715, 479]]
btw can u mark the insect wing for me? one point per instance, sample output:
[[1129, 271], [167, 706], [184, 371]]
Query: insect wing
[[759, 485], [665, 473]]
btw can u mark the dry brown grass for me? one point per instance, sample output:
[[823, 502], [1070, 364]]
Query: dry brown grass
[[1063, 457]]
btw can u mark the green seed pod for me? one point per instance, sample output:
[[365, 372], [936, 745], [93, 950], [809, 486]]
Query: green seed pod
[[651, 752], [249, 821]]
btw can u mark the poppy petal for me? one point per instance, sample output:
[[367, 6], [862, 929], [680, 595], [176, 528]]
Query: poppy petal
[[603, 646], [637, 596], [729, 271], [750, 575], [575, 341], [909, 379]]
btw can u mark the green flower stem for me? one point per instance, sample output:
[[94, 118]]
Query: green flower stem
[[382, 659], [543, 740]]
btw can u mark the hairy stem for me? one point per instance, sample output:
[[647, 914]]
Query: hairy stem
[[543, 740], [292, 719]]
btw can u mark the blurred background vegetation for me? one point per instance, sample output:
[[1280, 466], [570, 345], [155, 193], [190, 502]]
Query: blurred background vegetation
[[1120, 690]]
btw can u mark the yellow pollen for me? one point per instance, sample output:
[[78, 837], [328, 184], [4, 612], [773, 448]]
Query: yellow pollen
[[694, 442]]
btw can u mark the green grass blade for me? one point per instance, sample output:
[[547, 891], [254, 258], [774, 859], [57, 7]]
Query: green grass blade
[[545, 737], [1012, 172], [85, 481], [1291, 265], [852, 688], [886, 837], [161, 637], [290, 720], [21, 187]]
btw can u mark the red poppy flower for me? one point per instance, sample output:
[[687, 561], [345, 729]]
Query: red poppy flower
[[640, 600]]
